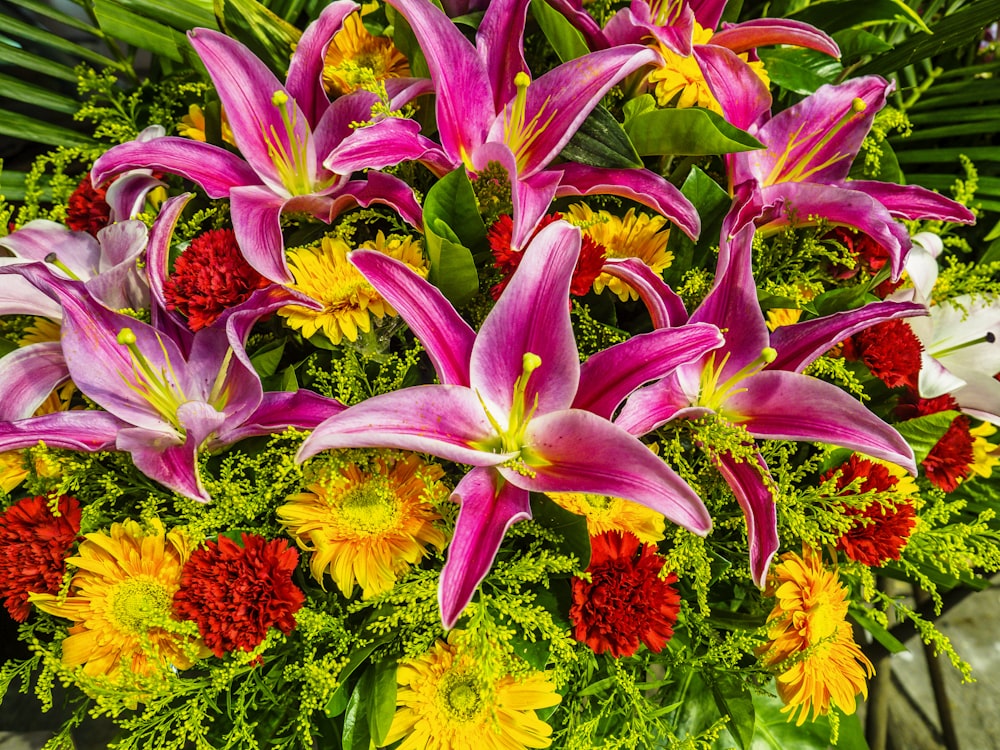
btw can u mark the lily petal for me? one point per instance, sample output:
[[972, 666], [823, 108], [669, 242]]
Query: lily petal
[[750, 484], [216, 170], [663, 304], [500, 42], [640, 185], [799, 344], [305, 71], [913, 201], [655, 405], [86, 431], [488, 507], [442, 420], [788, 406], [387, 143], [532, 315], [280, 410], [610, 375], [39, 239], [446, 337], [623, 467], [766, 32], [381, 188], [256, 214], [744, 98], [27, 377]]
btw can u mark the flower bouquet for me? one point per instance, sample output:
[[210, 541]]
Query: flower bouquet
[[508, 375]]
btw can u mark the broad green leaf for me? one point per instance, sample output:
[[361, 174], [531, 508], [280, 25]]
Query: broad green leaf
[[35, 63], [686, 132], [12, 184], [16, 125], [452, 200], [879, 633], [289, 380], [382, 704], [886, 169], [20, 90], [6, 347], [733, 699], [356, 735], [773, 731], [712, 202], [145, 33], [565, 39], [842, 14], [267, 35], [959, 29], [570, 526], [800, 70], [23, 30], [406, 41], [857, 43], [923, 433], [358, 657], [837, 300], [601, 142], [266, 359], [453, 270]]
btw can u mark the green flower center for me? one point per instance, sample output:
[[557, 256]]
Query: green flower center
[[461, 697], [136, 605], [371, 508]]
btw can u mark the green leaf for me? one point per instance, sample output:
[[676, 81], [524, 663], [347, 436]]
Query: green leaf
[[712, 202], [134, 29], [601, 142], [800, 70], [268, 36], [356, 735], [339, 701], [570, 526], [838, 300], [857, 43], [923, 433], [453, 201], [25, 30], [20, 90], [382, 704], [878, 632], [17, 125], [565, 39], [773, 731], [266, 359], [733, 699], [688, 132], [181, 14], [842, 14], [289, 380], [959, 29], [453, 270], [7, 346], [35, 63], [45, 10]]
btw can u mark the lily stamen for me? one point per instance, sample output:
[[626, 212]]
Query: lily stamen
[[804, 169], [521, 134], [159, 389], [713, 394], [988, 338], [53, 259], [292, 167]]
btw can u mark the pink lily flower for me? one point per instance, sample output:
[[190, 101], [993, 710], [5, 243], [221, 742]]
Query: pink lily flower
[[756, 380], [516, 405], [283, 133], [489, 110]]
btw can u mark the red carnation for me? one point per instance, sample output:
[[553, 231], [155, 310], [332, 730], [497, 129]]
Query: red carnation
[[87, 209], [209, 277], [506, 259], [950, 460], [626, 600], [890, 350], [33, 547], [868, 254], [882, 530], [236, 593]]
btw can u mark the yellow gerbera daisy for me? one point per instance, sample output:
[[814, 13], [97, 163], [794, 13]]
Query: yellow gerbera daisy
[[121, 601], [13, 470], [613, 514], [811, 645], [681, 75], [633, 235], [445, 703], [368, 523], [326, 275], [355, 58]]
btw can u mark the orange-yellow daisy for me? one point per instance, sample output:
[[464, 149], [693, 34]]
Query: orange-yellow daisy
[[325, 274], [120, 600], [444, 702], [811, 646], [680, 76], [355, 58], [613, 514], [193, 126], [985, 454], [368, 521], [633, 235]]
